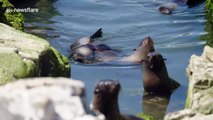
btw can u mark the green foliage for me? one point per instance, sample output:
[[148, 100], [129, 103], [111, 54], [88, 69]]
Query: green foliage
[[145, 117], [13, 19], [209, 23]]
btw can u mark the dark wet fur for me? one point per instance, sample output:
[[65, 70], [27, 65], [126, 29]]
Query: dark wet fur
[[168, 9], [97, 34], [156, 66], [105, 100]]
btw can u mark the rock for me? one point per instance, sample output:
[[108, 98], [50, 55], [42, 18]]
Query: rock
[[200, 92], [44, 99], [187, 115], [24, 55], [8, 16]]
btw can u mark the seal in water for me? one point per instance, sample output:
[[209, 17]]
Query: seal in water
[[100, 52], [155, 78], [105, 101], [108, 55], [87, 50], [146, 46], [169, 7], [143, 49], [87, 40]]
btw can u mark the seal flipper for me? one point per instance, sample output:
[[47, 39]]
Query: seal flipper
[[97, 34], [173, 85]]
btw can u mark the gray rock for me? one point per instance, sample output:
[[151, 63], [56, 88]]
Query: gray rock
[[44, 99], [200, 91], [24, 55]]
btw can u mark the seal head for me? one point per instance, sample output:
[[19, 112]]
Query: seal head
[[144, 48], [105, 100]]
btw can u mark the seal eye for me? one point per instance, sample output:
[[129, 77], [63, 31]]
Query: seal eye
[[96, 91]]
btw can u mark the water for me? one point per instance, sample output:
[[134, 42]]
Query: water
[[125, 23]]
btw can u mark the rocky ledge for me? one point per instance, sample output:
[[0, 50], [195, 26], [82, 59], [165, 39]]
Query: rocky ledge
[[44, 99], [200, 91], [24, 55]]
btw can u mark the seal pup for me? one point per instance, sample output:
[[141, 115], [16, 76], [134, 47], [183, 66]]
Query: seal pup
[[87, 40], [169, 7], [146, 46], [155, 78], [105, 101]]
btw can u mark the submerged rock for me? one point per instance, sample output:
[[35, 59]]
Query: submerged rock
[[200, 92], [24, 55], [8, 16], [44, 99]]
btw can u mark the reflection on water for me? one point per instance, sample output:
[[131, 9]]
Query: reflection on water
[[159, 103], [124, 23], [40, 23]]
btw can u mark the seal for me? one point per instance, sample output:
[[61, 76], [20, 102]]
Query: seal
[[169, 7], [105, 101], [84, 49], [98, 51], [83, 54], [144, 48], [87, 40], [106, 55], [155, 76]]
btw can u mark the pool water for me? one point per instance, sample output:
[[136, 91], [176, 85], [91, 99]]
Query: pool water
[[125, 23]]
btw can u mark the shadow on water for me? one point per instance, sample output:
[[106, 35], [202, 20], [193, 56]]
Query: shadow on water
[[125, 23]]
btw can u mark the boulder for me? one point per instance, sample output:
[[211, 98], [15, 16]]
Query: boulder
[[200, 91], [24, 55], [44, 99]]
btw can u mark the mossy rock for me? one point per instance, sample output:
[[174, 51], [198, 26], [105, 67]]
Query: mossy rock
[[11, 62], [24, 55], [7, 16], [209, 6]]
